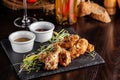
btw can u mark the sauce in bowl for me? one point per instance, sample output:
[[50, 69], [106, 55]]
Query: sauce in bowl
[[39, 30], [23, 39]]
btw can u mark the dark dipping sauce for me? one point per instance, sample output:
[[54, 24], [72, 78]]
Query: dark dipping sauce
[[23, 39], [41, 30]]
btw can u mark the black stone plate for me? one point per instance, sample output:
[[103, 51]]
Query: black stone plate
[[81, 62]]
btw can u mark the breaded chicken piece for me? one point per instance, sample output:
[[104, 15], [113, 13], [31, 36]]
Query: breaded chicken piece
[[42, 57], [74, 52], [90, 48], [82, 44], [79, 48], [69, 41], [64, 57], [51, 61]]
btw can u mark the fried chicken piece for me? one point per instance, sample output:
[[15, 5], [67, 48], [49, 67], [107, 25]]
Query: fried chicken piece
[[74, 52], [51, 61], [42, 57], [64, 57], [90, 48], [79, 48], [69, 41], [82, 44]]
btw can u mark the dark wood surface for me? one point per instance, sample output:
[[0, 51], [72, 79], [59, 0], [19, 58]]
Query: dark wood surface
[[105, 37]]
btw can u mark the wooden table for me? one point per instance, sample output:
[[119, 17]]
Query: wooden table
[[105, 37]]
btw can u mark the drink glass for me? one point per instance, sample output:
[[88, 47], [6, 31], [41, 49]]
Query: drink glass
[[66, 12], [25, 21]]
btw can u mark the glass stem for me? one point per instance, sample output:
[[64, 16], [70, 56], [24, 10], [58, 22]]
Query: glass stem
[[25, 19]]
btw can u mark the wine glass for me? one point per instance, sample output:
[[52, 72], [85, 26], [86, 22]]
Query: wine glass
[[24, 21]]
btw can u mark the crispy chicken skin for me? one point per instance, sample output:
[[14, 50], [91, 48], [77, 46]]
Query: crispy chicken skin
[[79, 48], [51, 61], [64, 57], [90, 48], [69, 41]]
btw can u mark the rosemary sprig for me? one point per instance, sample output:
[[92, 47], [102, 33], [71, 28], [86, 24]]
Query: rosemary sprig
[[92, 54], [30, 63], [45, 49], [57, 37]]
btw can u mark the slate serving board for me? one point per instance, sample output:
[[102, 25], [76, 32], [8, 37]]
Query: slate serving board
[[81, 62]]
